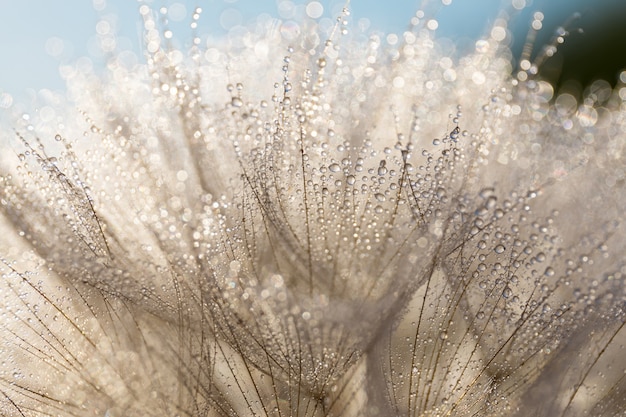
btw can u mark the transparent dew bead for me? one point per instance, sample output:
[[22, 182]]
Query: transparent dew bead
[[454, 135], [382, 168], [491, 202], [334, 168], [507, 292], [499, 249], [236, 102]]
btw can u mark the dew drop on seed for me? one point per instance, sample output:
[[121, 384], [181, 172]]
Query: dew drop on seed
[[350, 179], [499, 249], [334, 168], [382, 169], [236, 102], [506, 292], [455, 133], [380, 197]]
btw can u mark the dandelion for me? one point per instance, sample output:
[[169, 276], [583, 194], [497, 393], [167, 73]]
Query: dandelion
[[319, 224]]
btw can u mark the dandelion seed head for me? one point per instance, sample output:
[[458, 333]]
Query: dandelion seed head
[[303, 220]]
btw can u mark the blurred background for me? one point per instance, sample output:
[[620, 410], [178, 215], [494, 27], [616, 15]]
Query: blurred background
[[38, 36]]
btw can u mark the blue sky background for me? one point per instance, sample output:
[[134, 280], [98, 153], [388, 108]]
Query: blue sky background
[[38, 35]]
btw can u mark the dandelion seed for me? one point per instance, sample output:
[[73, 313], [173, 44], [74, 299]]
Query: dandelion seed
[[297, 243]]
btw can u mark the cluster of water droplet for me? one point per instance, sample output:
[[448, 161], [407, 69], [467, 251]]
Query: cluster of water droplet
[[342, 227]]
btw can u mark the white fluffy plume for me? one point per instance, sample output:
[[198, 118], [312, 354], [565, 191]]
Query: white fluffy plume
[[325, 226]]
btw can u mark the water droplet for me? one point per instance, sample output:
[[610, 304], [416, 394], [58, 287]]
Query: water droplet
[[486, 192], [334, 168], [380, 197], [382, 168], [455, 133], [350, 179], [499, 249], [236, 102], [507, 292]]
